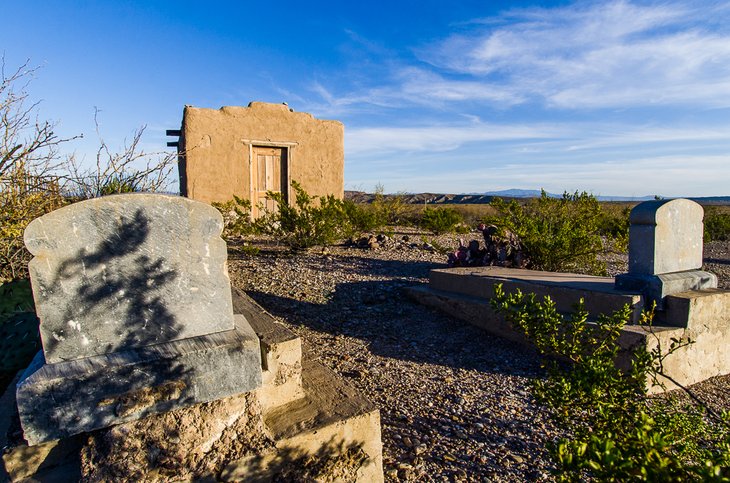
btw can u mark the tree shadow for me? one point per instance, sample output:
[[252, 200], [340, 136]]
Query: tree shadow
[[336, 460], [134, 297], [394, 326], [133, 371]]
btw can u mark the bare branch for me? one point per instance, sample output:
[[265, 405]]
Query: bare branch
[[129, 170], [25, 142]]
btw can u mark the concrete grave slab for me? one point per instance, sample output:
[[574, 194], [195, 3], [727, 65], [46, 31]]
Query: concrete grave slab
[[566, 289], [702, 316], [126, 271]]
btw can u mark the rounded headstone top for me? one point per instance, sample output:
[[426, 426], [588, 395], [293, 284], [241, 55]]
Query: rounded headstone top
[[651, 212], [37, 239]]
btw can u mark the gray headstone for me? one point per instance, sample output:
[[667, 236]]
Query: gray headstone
[[665, 250], [665, 237], [127, 271], [136, 315]]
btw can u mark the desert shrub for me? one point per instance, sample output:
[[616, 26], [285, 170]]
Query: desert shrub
[[615, 432], [389, 209], [473, 214], [23, 198], [237, 219], [717, 225], [361, 218], [441, 219], [558, 234], [130, 169], [35, 179], [116, 185], [304, 224], [28, 161], [613, 225]]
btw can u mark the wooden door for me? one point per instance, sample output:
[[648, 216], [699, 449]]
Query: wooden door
[[268, 174]]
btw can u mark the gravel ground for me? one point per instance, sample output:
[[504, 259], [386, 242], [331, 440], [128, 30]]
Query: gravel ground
[[454, 401]]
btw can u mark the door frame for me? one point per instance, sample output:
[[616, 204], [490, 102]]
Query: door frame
[[285, 145]]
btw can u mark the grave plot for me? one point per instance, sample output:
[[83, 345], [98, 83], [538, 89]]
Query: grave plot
[[147, 371], [665, 257]]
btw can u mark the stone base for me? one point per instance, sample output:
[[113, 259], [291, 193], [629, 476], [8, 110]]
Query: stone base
[[308, 413], [657, 287], [66, 398]]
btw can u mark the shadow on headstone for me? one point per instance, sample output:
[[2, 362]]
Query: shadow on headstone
[[136, 295], [135, 315]]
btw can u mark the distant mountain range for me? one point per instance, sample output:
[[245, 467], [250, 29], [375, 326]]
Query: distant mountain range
[[487, 197], [518, 193]]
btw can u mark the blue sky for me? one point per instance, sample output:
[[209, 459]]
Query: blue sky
[[616, 98]]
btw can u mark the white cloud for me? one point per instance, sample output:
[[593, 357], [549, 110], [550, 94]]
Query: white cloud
[[424, 87], [438, 137], [615, 54], [582, 75], [556, 137]]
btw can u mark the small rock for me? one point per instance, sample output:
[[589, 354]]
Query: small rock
[[516, 458]]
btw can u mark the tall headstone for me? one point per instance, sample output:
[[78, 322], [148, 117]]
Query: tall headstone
[[665, 250], [136, 316]]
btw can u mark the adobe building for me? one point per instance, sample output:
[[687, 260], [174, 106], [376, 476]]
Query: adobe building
[[247, 151]]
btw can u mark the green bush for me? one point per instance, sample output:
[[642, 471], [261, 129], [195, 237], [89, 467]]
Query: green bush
[[717, 225], [616, 432], [440, 220], [558, 234], [118, 184], [613, 225], [361, 218], [389, 209], [237, 219], [303, 224], [23, 198]]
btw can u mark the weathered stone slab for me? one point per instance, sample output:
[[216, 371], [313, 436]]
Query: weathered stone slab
[[566, 289], [127, 271], [67, 398], [665, 236], [657, 287], [665, 250]]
